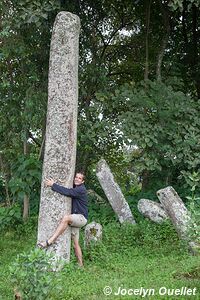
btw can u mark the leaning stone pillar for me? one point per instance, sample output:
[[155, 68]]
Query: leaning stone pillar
[[113, 193], [61, 129], [175, 209], [179, 216]]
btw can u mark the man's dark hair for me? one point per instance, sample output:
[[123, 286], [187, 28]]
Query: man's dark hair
[[82, 173]]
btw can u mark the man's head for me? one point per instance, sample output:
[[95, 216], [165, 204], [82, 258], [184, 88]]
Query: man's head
[[79, 178]]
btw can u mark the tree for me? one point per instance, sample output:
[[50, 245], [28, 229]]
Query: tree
[[121, 43], [24, 62], [164, 125]]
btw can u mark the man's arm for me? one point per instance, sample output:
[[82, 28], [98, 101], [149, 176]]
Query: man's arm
[[77, 192], [72, 192]]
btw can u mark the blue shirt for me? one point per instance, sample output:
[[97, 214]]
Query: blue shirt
[[78, 195]]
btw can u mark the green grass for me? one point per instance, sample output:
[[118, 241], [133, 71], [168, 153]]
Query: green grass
[[146, 255]]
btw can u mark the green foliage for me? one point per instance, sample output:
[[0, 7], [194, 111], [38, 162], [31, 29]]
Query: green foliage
[[23, 81], [35, 12], [31, 274], [191, 181], [160, 122], [178, 4], [28, 228], [26, 177], [119, 239], [194, 207], [10, 217], [112, 54], [125, 254], [100, 211], [164, 127]]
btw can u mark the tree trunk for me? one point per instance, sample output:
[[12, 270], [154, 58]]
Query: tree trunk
[[195, 67], [145, 179], [26, 207], [5, 176], [26, 197], [61, 130], [148, 14], [41, 153], [165, 14]]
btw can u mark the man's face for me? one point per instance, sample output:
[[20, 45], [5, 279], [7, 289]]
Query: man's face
[[78, 179]]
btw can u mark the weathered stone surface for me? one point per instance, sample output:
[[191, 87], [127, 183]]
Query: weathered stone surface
[[61, 129], [113, 193], [152, 210], [93, 233], [194, 248], [176, 210]]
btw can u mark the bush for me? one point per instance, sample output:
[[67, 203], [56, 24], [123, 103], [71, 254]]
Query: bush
[[31, 275], [27, 228], [10, 216]]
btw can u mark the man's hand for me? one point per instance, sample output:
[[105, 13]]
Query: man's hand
[[49, 182]]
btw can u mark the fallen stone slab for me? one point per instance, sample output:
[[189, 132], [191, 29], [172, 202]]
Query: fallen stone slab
[[152, 210]]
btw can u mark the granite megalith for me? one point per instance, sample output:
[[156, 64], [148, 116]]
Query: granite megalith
[[61, 130]]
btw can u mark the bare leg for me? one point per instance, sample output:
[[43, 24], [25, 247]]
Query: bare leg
[[61, 228], [78, 252]]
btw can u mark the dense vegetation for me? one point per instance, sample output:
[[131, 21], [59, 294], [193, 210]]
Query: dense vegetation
[[129, 256], [139, 96], [139, 92]]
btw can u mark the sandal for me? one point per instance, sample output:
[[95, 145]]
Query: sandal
[[43, 245]]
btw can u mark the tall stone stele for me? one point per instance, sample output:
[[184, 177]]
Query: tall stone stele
[[61, 130], [113, 193]]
